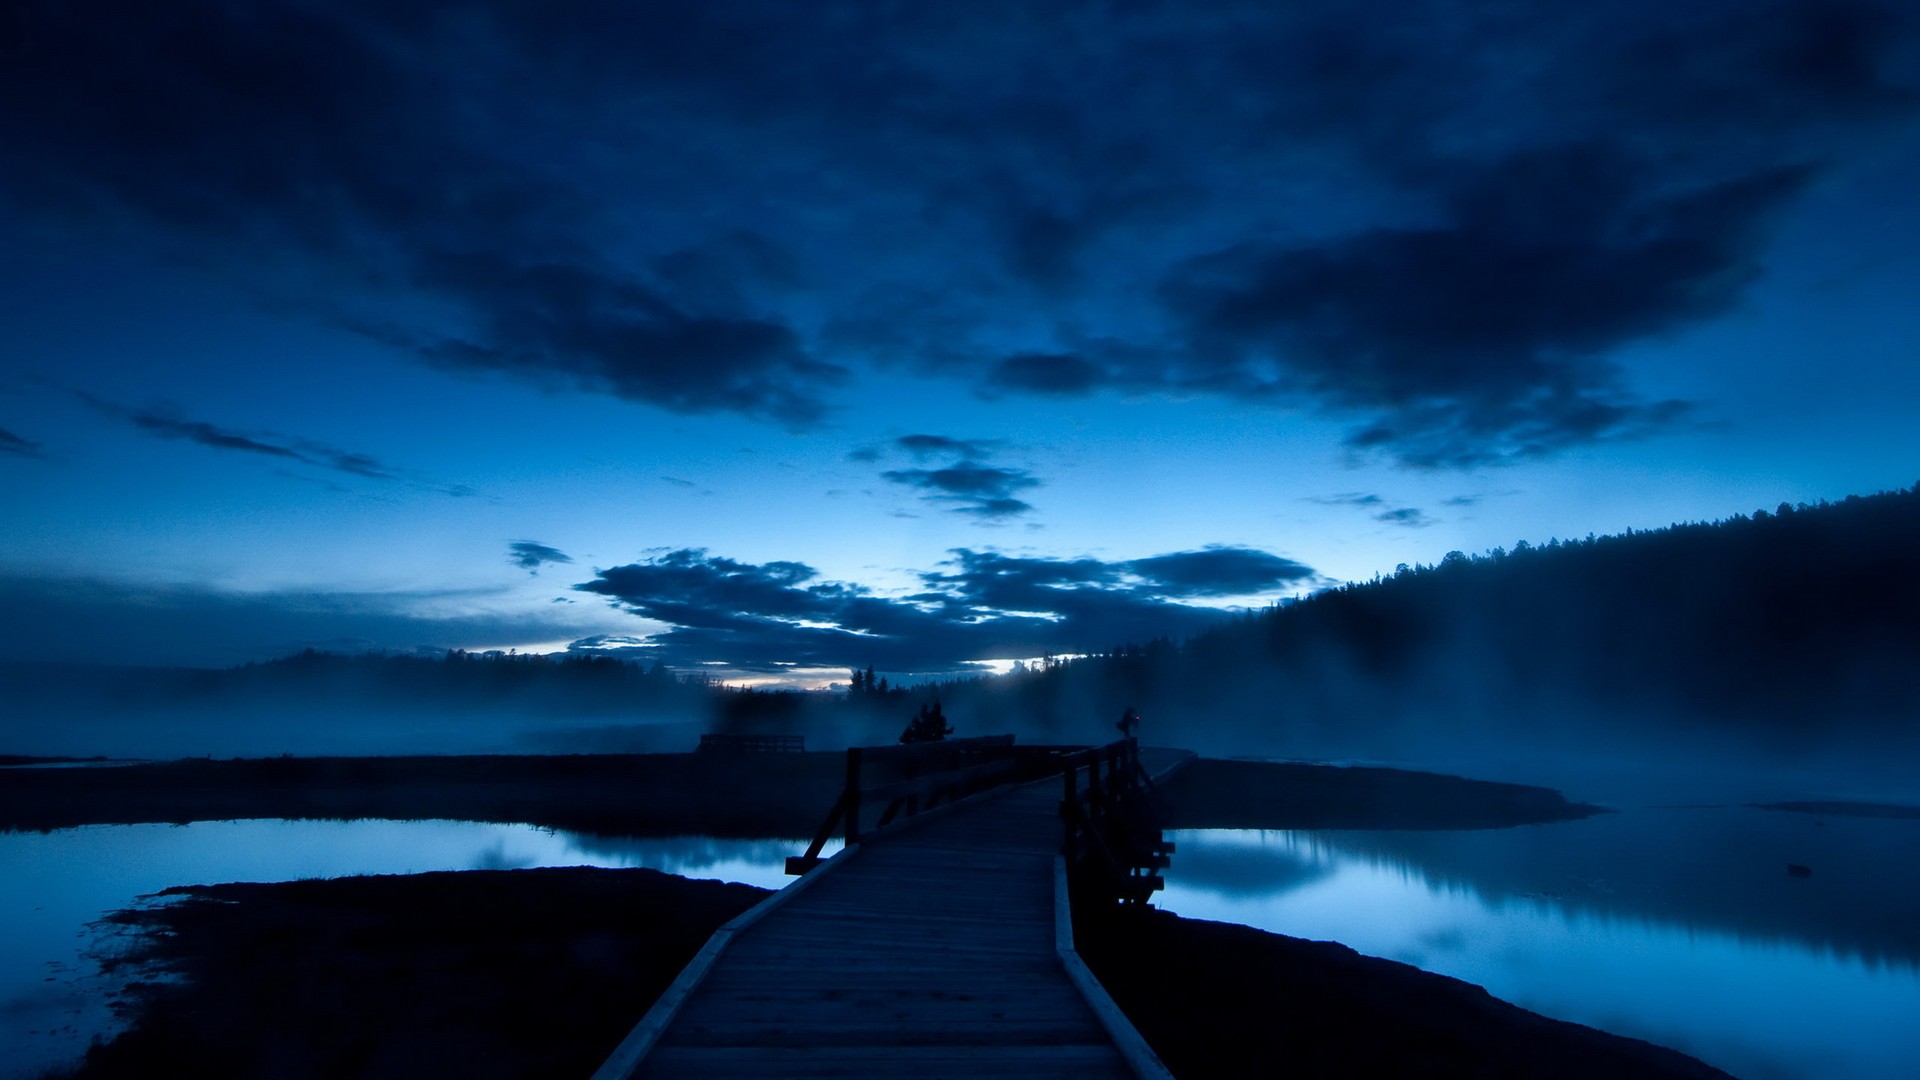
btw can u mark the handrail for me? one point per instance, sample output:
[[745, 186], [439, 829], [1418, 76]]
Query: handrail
[[935, 772], [1100, 813], [1102, 823]]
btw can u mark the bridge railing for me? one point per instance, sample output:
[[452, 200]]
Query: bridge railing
[[901, 781], [1109, 828]]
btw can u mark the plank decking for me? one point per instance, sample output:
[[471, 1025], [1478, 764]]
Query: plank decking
[[936, 950]]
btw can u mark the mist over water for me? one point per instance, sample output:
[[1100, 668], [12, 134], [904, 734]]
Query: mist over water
[[272, 729]]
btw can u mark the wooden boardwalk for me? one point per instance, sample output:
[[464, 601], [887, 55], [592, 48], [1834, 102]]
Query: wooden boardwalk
[[938, 949]]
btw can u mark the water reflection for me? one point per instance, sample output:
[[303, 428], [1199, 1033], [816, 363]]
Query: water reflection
[[1648, 947], [51, 1000]]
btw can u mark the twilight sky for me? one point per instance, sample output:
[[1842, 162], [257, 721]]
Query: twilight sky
[[777, 337]]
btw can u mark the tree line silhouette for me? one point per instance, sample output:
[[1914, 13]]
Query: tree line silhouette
[[1790, 628], [1786, 628]]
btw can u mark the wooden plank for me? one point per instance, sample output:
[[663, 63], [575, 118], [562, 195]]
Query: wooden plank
[[633, 1049], [898, 998], [1126, 1038], [955, 1062], [936, 953]]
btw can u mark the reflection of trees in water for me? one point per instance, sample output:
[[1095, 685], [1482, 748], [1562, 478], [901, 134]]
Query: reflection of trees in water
[[1244, 870], [677, 853], [1706, 868], [495, 857]]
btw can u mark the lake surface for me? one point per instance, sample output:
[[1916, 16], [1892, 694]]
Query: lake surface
[[1679, 925], [52, 1000]]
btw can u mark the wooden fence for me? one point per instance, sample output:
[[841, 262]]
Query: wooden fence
[[1111, 839], [902, 781]]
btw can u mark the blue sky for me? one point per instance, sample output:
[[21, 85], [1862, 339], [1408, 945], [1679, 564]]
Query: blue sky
[[782, 339]]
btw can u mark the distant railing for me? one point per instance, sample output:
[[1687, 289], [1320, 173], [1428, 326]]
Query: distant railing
[[1111, 841], [753, 744], [1109, 828], [906, 780]]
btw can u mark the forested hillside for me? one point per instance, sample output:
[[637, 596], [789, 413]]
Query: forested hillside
[[1787, 630]]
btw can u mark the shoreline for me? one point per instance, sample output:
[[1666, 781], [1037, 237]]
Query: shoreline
[[287, 966], [706, 794], [536, 973]]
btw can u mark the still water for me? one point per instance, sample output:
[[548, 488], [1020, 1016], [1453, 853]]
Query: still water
[[53, 1002], [1679, 925]]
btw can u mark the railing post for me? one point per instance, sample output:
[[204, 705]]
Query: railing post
[[1070, 812], [852, 795]]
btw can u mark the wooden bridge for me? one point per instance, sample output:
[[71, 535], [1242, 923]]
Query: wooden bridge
[[940, 947]]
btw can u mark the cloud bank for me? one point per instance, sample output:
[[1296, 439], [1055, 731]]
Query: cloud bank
[[980, 605], [1441, 225]]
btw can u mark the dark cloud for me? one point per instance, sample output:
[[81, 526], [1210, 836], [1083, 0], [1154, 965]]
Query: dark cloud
[[18, 446], [1463, 502], [530, 556], [1221, 571], [598, 329], [166, 423], [967, 484], [687, 485], [606, 641], [687, 587], [400, 148], [1045, 373], [982, 605], [971, 488], [1444, 224], [926, 446], [1410, 517], [1351, 498], [1485, 339], [205, 434]]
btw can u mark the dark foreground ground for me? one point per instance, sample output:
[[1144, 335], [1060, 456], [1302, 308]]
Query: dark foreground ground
[[1217, 1000], [705, 794], [477, 974], [540, 973]]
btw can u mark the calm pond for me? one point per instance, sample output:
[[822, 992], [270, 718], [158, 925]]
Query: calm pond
[[53, 1002], [1677, 925], [1680, 925]]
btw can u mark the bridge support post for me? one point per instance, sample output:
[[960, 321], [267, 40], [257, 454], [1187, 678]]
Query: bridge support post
[[1070, 812], [852, 795], [1110, 840]]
